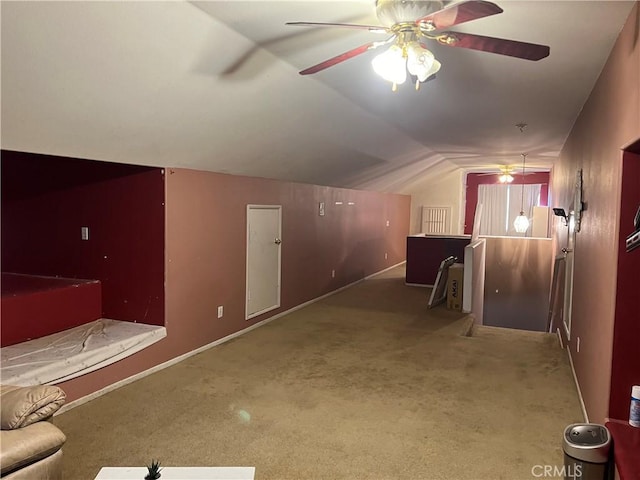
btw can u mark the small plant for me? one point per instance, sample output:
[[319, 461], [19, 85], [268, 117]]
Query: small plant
[[154, 470]]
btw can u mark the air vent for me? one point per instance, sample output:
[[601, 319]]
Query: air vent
[[436, 220]]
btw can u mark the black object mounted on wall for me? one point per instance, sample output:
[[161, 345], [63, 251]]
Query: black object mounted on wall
[[633, 240], [559, 212]]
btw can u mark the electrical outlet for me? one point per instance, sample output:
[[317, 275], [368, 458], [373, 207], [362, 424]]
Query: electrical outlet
[[333, 274], [578, 345], [220, 311], [386, 256], [84, 233], [387, 223]]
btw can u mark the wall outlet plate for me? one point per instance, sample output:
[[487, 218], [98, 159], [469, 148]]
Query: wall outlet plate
[[220, 311]]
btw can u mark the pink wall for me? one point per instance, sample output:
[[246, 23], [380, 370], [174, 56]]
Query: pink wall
[[609, 121], [45, 201], [205, 255], [476, 179]]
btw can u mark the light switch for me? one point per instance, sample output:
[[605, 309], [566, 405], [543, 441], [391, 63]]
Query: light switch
[[84, 233]]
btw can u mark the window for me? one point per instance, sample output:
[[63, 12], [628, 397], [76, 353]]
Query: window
[[502, 204]]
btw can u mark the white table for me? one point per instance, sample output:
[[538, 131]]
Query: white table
[[178, 473]]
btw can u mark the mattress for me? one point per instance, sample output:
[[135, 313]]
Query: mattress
[[68, 354]]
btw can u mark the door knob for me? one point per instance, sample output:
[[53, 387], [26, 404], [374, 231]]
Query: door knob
[[277, 241]]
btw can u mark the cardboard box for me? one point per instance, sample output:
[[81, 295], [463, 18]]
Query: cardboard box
[[454, 286]]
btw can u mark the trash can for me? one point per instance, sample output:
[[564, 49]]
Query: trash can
[[586, 452]]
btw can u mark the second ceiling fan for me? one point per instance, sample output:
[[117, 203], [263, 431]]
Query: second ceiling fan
[[410, 24]]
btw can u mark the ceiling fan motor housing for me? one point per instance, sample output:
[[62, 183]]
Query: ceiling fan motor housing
[[391, 12]]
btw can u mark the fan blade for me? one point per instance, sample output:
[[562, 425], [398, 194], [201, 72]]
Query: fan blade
[[460, 13], [340, 58], [371, 28], [501, 46]]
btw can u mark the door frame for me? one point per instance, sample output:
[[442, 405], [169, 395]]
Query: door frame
[[279, 285], [569, 268]]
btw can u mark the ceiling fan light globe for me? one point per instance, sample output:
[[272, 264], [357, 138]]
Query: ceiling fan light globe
[[418, 71], [505, 178], [419, 61], [435, 68], [391, 65]]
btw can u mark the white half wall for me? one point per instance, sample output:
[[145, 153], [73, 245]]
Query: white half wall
[[474, 272]]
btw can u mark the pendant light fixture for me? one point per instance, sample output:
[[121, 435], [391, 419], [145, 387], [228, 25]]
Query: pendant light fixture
[[521, 223]]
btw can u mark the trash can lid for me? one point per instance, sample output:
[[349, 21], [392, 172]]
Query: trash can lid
[[589, 442]]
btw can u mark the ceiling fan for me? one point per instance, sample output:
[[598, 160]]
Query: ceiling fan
[[410, 24], [505, 174]]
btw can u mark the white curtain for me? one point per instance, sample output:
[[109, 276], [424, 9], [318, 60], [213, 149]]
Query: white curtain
[[494, 209], [501, 205], [529, 200]]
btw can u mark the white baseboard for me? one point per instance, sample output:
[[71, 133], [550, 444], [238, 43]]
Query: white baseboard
[[559, 338], [374, 274], [184, 356], [575, 379]]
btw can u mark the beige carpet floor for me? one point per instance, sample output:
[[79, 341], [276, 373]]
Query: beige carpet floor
[[365, 384]]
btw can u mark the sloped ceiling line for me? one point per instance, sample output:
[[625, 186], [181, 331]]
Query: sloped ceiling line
[[139, 83]]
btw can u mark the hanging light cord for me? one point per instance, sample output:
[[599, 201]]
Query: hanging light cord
[[524, 158]]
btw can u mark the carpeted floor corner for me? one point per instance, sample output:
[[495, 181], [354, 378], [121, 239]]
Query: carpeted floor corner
[[365, 384]]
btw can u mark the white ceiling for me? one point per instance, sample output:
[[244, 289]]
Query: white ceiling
[[214, 86]]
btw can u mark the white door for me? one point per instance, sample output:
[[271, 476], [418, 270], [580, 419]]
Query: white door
[[263, 258], [568, 274]]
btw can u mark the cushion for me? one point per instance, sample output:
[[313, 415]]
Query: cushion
[[22, 406], [24, 446]]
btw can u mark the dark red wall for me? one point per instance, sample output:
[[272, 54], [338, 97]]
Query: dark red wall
[[476, 179], [45, 201], [425, 253], [625, 366], [28, 299]]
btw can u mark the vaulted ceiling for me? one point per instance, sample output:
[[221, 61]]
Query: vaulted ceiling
[[215, 86]]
